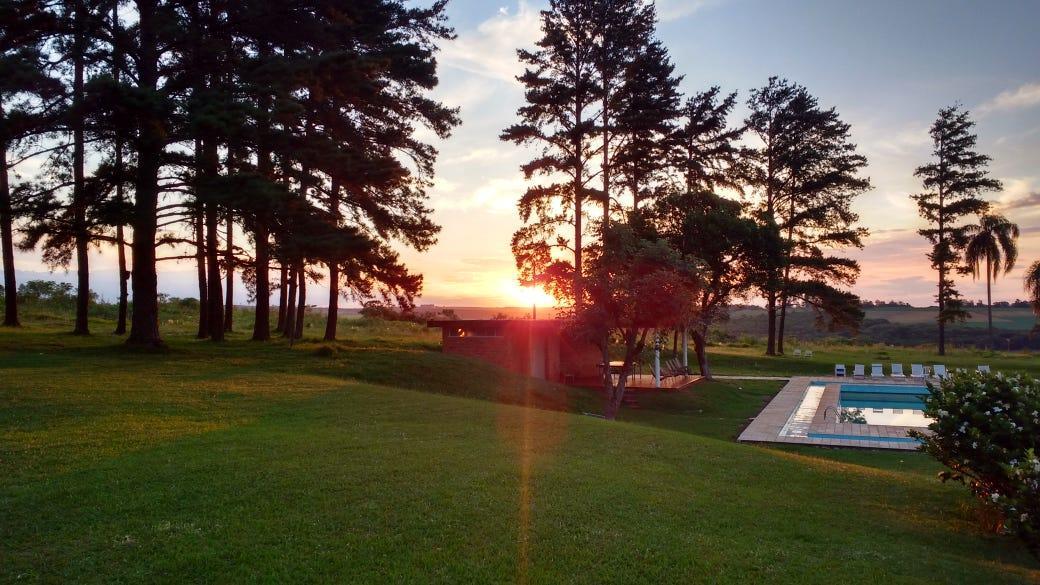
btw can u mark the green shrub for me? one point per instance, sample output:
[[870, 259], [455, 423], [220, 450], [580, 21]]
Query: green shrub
[[986, 430]]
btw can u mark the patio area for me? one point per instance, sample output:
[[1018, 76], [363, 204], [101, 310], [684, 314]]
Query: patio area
[[801, 413]]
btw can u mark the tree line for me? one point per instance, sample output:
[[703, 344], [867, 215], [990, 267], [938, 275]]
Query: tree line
[[649, 209], [173, 125]]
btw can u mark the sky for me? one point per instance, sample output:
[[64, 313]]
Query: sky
[[887, 66]]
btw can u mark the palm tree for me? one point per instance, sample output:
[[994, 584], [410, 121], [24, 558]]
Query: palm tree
[[993, 241], [1032, 282]]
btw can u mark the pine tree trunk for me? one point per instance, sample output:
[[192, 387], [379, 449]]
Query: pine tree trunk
[[942, 311], [262, 317], [332, 318], [771, 323], [79, 203], [215, 294], [144, 322], [7, 238], [124, 274], [200, 269], [781, 323], [332, 315], [289, 324], [229, 267], [283, 297], [301, 309]]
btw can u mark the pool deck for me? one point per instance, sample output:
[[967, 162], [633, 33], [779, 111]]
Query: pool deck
[[799, 411]]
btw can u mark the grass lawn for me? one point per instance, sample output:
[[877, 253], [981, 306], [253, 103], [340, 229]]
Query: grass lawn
[[378, 460], [750, 360]]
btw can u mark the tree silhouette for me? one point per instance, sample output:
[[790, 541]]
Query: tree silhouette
[[808, 173], [1032, 286], [953, 182], [993, 243], [28, 97]]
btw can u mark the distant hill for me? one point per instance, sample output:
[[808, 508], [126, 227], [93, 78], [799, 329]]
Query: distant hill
[[897, 326]]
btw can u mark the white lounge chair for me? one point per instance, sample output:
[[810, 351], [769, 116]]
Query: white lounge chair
[[877, 371], [797, 353], [917, 371], [857, 371], [839, 370], [939, 371], [808, 353], [983, 369], [897, 371]]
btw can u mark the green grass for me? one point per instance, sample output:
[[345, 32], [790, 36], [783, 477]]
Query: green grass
[[377, 460], [751, 361]]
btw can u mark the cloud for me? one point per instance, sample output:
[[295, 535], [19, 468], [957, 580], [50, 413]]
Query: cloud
[[483, 154], [1021, 194], [498, 195], [1025, 96], [1027, 200], [490, 50]]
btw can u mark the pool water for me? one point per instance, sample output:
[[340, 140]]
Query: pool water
[[886, 404]]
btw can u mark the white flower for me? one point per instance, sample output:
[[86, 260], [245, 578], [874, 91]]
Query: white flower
[[995, 496], [1023, 517]]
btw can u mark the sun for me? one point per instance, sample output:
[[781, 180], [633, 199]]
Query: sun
[[526, 296]]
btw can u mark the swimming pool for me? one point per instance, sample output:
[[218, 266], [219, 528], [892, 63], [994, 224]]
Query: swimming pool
[[884, 404]]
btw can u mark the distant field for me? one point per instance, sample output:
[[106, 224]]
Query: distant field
[[1003, 318]]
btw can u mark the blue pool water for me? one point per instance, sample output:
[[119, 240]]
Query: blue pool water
[[861, 438], [886, 404]]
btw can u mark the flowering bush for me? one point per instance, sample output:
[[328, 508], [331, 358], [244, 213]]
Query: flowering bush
[[986, 430]]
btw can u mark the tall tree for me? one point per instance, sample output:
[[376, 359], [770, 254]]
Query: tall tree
[[808, 173], [27, 96], [561, 92], [953, 183], [993, 242]]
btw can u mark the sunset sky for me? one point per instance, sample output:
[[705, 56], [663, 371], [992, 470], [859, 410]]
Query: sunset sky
[[887, 66]]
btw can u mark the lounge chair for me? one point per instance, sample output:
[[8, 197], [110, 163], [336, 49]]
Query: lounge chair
[[897, 371], [983, 369], [857, 371], [839, 370], [917, 371], [877, 371], [939, 371], [797, 353], [808, 353]]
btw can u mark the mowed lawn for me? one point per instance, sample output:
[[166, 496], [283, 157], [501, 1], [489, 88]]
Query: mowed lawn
[[379, 460]]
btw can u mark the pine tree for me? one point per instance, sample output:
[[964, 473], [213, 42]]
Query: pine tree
[[953, 183], [704, 151], [561, 91], [646, 121], [27, 98], [807, 172]]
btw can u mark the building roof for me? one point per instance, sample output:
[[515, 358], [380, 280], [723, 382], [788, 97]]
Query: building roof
[[511, 323]]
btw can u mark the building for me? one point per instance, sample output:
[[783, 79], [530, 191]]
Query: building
[[541, 348], [533, 347]]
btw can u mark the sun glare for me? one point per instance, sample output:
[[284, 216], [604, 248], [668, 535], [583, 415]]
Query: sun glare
[[526, 296]]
